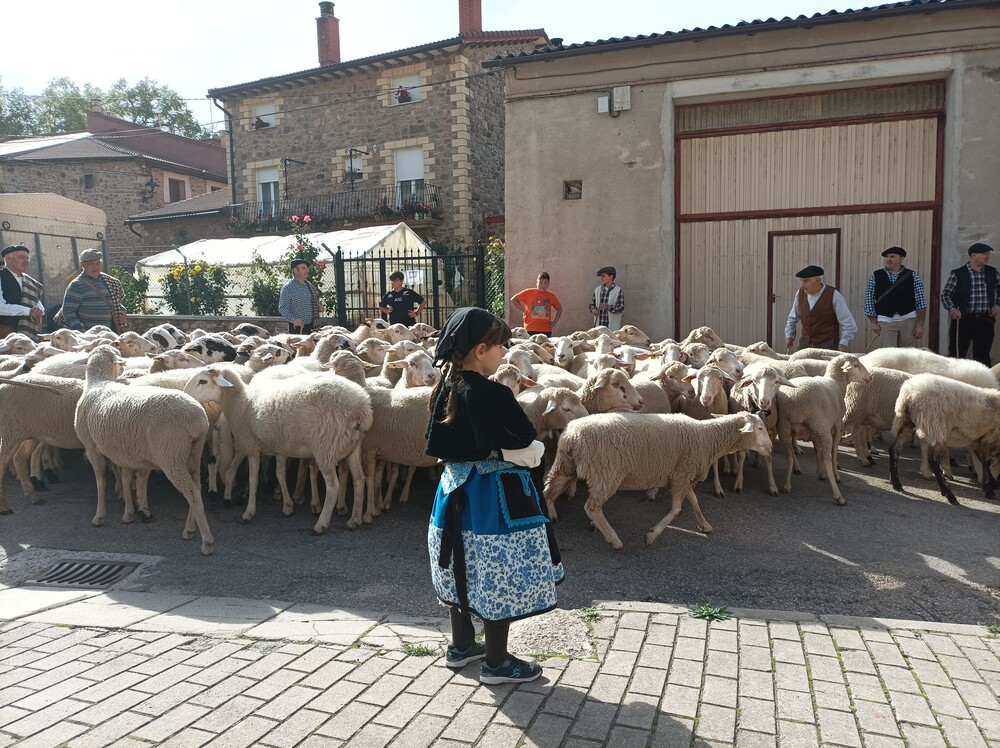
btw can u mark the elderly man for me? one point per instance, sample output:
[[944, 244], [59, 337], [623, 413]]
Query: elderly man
[[94, 298], [972, 297], [822, 310], [21, 307], [895, 302], [299, 302]]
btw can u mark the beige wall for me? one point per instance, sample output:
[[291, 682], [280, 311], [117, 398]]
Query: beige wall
[[626, 216]]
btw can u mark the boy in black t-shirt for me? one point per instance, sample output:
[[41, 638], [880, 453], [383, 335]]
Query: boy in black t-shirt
[[403, 305]]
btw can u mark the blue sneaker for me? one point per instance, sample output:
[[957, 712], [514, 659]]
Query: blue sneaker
[[457, 658], [512, 670]]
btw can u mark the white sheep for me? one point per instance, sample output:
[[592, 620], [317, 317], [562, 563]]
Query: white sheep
[[632, 335], [550, 409], [920, 361], [704, 335], [609, 391], [141, 429], [418, 371], [871, 405], [757, 393], [643, 452], [946, 413], [319, 417]]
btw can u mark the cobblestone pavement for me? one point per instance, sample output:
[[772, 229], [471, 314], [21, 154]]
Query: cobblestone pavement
[[139, 669]]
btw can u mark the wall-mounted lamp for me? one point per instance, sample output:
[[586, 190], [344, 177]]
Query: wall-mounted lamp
[[285, 163], [350, 156], [149, 189]]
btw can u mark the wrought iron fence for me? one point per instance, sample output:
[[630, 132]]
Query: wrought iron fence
[[415, 200]]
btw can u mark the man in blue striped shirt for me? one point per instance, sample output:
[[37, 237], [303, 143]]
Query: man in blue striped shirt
[[895, 302], [93, 297], [296, 302]]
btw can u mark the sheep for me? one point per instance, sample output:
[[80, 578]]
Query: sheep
[[422, 330], [418, 371], [63, 339], [704, 335], [756, 393], [323, 417], [142, 429], [710, 400], [173, 359], [248, 329], [555, 376], [945, 413], [919, 361], [47, 419], [210, 349], [539, 350], [164, 337], [822, 354], [697, 353], [635, 451], [131, 344], [814, 409], [672, 378], [787, 369], [17, 344], [871, 405], [395, 333], [549, 409], [510, 376], [632, 335], [760, 348], [726, 360], [609, 391]]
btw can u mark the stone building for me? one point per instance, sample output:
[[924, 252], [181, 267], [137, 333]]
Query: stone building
[[720, 161], [413, 134], [117, 166]]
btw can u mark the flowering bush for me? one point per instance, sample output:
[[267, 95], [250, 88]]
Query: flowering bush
[[402, 95], [266, 280], [196, 288]]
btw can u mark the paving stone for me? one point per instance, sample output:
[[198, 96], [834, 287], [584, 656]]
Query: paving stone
[[694, 627], [219, 671], [629, 640], [886, 654], [327, 674], [791, 677], [655, 655], [819, 644], [961, 733], [158, 644], [222, 692], [876, 635], [519, 708], [294, 729], [826, 669], [608, 688], [492, 695], [166, 700], [716, 723], [754, 683], [959, 668], [882, 741], [988, 721], [450, 699], [757, 715], [336, 697], [786, 630], [320, 741], [638, 710], [831, 696], [946, 701], [686, 648], [214, 654], [628, 737], [875, 717], [915, 649], [223, 717], [36, 700], [52, 677], [108, 732], [109, 707], [685, 673], [411, 667], [173, 721], [838, 727], [899, 679], [665, 619], [942, 645], [719, 691], [10, 714], [288, 703], [547, 731], [794, 705], [977, 694], [721, 663], [720, 640], [680, 700], [755, 658], [866, 687], [662, 635], [789, 651], [912, 708], [633, 620], [857, 661], [796, 735], [594, 720], [619, 663], [753, 635], [58, 734], [847, 639], [372, 736], [924, 737], [470, 721], [564, 700], [500, 736], [421, 732], [433, 679], [748, 739], [579, 673], [672, 731], [349, 720]]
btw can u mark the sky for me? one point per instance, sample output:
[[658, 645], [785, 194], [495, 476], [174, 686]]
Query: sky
[[195, 45]]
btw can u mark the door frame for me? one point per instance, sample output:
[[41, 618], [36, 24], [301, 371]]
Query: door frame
[[770, 267]]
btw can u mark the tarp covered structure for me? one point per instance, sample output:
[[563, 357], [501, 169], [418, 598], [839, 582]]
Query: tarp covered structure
[[390, 248]]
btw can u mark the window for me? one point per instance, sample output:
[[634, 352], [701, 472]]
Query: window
[[263, 116], [354, 165], [88, 181], [176, 190], [406, 89], [410, 174], [267, 190], [573, 189]]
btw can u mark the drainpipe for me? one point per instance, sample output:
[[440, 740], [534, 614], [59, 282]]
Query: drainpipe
[[129, 225], [232, 147]]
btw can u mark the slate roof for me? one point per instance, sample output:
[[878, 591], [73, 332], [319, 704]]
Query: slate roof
[[384, 59], [200, 205], [742, 27]]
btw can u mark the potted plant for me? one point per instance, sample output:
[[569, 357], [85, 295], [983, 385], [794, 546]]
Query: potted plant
[[402, 95]]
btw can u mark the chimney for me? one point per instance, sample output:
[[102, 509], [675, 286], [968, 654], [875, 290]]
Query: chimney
[[470, 16], [328, 35]]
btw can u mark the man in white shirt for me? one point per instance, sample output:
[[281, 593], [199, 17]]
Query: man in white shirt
[[21, 307], [822, 310]]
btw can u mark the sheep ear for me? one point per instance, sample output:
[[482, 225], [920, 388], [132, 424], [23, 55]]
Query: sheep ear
[[689, 378], [784, 382], [549, 407], [745, 382], [267, 357], [727, 375], [220, 379], [527, 382], [846, 366], [747, 428], [397, 364]]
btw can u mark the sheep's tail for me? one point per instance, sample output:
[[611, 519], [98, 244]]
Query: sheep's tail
[[563, 472]]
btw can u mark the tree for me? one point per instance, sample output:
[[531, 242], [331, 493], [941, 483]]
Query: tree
[[63, 106], [17, 113], [153, 105]]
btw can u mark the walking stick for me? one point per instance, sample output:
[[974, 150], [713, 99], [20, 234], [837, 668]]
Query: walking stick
[[869, 348]]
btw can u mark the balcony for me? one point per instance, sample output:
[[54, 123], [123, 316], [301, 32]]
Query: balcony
[[418, 203]]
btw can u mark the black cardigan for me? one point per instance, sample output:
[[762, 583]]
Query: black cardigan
[[488, 417]]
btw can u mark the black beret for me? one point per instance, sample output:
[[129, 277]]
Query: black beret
[[976, 249], [297, 262], [610, 270], [13, 248], [463, 329], [894, 251], [810, 271]]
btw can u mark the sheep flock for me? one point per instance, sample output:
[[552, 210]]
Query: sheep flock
[[615, 409]]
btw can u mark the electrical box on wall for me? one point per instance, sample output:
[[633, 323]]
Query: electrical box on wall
[[621, 98], [602, 104]]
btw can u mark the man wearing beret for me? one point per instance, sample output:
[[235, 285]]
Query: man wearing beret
[[21, 307], [895, 302], [93, 297], [972, 298], [299, 302], [822, 310]]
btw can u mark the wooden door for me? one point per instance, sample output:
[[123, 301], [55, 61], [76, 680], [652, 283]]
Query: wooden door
[[787, 253]]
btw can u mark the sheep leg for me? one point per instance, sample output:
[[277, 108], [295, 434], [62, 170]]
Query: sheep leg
[[299, 493], [234, 465], [717, 488], [772, 487], [142, 495], [677, 495], [976, 463], [390, 485], [945, 488], [358, 476], [556, 482], [127, 476], [835, 451], [901, 434], [314, 504], [253, 461], [376, 507], [741, 458], [925, 465], [196, 508], [22, 457], [699, 518], [100, 465], [786, 439], [281, 468], [595, 510], [989, 481], [824, 450], [341, 494], [36, 453], [405, 495]]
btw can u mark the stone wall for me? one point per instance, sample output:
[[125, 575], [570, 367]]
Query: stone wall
[[142, 322], [160, 235]]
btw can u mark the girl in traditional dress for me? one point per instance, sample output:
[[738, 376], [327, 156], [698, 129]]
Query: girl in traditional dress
[[492, 549]]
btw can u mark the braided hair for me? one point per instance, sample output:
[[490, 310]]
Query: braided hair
[[451, 370]]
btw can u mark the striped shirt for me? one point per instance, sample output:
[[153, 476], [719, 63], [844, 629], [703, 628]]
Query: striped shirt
[[979, 302], [919, 297], [295, 302], [603, 315], [82, 308]]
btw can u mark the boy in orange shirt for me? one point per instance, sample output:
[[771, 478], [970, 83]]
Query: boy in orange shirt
[[539, 306]]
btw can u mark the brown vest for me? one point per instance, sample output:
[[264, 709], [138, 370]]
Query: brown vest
[[820, 323]]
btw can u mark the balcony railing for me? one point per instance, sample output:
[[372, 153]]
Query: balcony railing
[[418, 201]]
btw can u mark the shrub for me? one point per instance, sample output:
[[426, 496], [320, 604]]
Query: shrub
[[135, 289], [196, 288]]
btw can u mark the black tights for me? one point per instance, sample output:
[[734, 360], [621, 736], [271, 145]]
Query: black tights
[[463, 633]]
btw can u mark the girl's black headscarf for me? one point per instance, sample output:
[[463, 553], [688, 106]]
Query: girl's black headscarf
[[462, 331]]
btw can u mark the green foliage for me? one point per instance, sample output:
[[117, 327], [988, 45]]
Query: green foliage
[[197, 288], [420, 650], [17, 112], [63, 106], [590, 615], [265, 287], [495, 260], [711, 612], [994, 629], [266, 279], [135, 289], [154, 105]]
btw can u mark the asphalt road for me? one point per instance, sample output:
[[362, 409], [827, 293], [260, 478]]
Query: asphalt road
[[885, 554]]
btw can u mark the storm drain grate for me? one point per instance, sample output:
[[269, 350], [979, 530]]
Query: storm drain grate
[[84, 575]]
